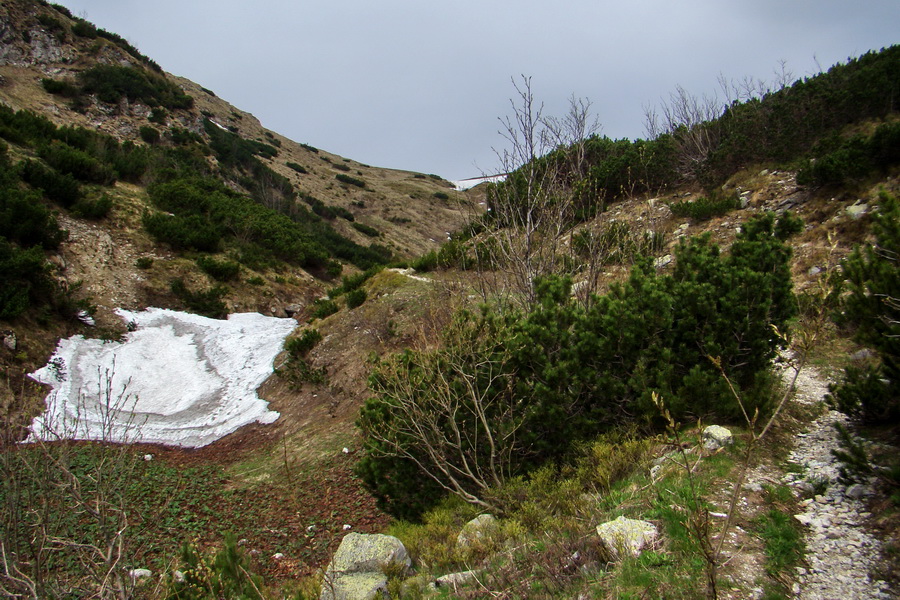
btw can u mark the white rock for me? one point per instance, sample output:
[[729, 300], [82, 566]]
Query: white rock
[[455, 580], [140, 573], [716, 436], [626, 536], [663, 261]]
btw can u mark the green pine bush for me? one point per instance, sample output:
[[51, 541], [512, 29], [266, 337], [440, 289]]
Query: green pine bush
[[871, 307], [220, 270], [562, 373]]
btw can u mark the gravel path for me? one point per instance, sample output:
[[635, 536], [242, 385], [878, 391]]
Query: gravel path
[[840, 553]]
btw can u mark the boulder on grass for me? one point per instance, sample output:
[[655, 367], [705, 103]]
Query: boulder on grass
[[356, 571], [716, 436], [477, 529], [626, 537]]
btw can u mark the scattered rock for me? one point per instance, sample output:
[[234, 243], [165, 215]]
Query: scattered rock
[[478, 528], [840, 553], [716, 436], [862, 355], [857, 210], [85, 317], [455, 580], [10, 342], [753, 486], [858, 491], [813, 271], [663, 261], [625, 535]]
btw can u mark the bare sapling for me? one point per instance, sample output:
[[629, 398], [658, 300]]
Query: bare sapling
[[532, 212]]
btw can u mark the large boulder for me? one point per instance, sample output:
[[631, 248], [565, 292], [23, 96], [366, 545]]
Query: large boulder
[[716, 436], [356, 571], [355, 586], [479, 528], [626, 537]]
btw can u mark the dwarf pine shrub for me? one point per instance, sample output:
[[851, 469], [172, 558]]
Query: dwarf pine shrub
[[872, 275], [523, 387]]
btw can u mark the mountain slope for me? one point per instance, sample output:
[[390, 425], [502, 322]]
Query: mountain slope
[[41, 46]]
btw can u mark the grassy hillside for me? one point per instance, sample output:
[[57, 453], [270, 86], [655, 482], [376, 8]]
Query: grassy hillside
[[160, 183]]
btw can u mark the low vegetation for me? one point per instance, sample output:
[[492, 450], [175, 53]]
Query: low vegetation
[[872, 392], [578, 369], [112, 83]]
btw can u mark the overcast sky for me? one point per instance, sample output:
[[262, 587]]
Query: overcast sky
[[420, 85]]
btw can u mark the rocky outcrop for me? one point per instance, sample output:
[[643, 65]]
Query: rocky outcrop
[[357, 569]]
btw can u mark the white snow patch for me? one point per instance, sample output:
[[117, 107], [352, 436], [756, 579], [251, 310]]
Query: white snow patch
[[465, 184], [177, 379], [222, 127]]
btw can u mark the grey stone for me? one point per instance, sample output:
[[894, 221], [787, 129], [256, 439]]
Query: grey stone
[[857, 210], [858, 491], [625, 536], [716, 436], [804, 518], [663, 261], [861, 355], [480, 527], [10, 342], [355, 570], [455, 580], [355, 586], [366, 553], [753, 486]]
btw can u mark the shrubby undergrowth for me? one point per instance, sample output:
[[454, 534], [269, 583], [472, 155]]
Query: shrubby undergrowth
[[508, 392], [872, 308]]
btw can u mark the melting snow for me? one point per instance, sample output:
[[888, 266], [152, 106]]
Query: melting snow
[[465, 184], [178, 379]]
